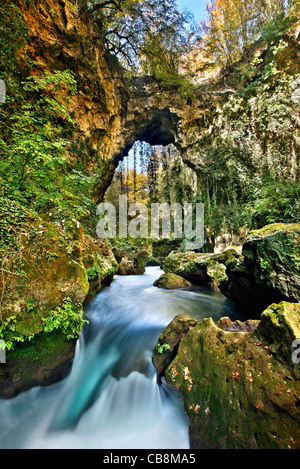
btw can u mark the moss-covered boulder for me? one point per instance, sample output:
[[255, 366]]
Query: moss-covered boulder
[[240, 388], [269, 270], [134, 265], [132, 260], [171, 282], [161, 248], [41, 362], [200, 268], [47, 271], [99, 262], [216, 271], [166, 349], [46, 275]]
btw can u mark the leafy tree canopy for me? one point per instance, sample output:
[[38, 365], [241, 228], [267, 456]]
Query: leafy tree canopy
[[147, 35], [233, 25]]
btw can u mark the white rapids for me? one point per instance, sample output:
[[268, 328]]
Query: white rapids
[[111, 399]]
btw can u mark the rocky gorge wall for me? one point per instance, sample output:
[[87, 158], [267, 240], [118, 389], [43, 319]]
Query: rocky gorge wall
[[56, 268], [209, 123], [53, 268]]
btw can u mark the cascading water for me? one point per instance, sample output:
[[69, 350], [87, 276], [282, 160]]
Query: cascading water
[[111, 399]]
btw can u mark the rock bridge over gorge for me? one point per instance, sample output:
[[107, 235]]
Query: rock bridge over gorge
[[111, 112]]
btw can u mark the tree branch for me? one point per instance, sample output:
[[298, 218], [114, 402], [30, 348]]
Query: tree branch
[[107, 4]]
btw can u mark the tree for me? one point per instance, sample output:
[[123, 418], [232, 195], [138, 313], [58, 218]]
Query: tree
[[165, 44], [134, 173], [142, 33], [152, 173], [234, 24]]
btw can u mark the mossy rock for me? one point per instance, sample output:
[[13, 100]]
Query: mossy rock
[[280, 327], [269, 271], [274, 228], [46, 359], [217, 273], [153, 262], [163, 247], [141, 258], [48, 270], [200, 268], [45, 286], [171, 281], [133, 263], [169, 340], [239, 389], [100, 264]]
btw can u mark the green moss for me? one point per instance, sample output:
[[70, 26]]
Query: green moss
[[239, 389], [217, 272], [38, 348], [67, 317], [171, 281], [280, 326], [275, 227], [201, 268]]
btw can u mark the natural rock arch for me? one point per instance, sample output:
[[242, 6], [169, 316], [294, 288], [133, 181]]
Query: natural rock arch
[[111, 112], [147, 115], [160, 129]]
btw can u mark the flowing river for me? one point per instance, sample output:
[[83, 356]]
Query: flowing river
[[111, 400]]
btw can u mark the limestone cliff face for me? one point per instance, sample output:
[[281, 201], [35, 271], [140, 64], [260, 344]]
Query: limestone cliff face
[[62, 38]]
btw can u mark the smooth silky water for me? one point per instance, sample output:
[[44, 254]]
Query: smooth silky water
[[111, 399]]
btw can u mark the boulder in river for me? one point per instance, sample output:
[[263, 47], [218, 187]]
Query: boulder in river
[[239, 382], [200, 268], [168, 343], [171, 281], [132, 261], [99, 262]]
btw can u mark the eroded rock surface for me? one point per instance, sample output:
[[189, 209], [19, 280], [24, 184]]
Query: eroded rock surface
[[269, 270], [200, 268], [167, 347], [240, 388], [43, 290], [132, 261]]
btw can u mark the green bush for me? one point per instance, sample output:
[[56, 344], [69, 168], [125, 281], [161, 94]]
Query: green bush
[[67, 318]]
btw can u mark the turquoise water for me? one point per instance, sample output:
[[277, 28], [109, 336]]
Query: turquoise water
[[111, 399]]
